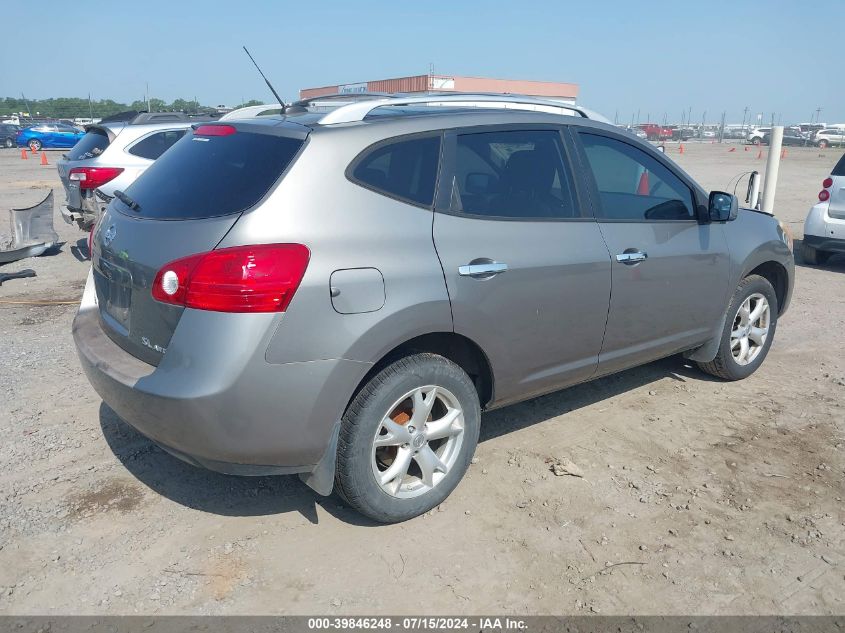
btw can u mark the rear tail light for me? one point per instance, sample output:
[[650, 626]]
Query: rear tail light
[[259, 278], [824, 194], [93, 177]]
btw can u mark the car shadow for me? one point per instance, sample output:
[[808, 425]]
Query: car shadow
[[229, 495], [80, 250], [835, 262]]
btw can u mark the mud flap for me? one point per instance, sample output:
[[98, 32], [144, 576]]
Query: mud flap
[[708, 351], [321, 479]]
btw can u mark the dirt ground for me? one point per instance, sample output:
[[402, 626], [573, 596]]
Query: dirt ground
[[698, 496]]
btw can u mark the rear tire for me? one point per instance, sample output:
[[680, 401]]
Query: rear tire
[[823, 144], [814, 256], [756, 141], [35, 145], [746, 337], [407, 438]]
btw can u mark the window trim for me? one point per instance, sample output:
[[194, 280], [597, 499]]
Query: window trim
[[367, 151], [443, 200], [127, 149], [699, 207]]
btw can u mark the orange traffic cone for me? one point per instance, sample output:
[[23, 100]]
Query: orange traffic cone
[[746, 148], [733, 149], [32, 149], [642, 187], [681, 149], [44, 158], [783, 153], [759, 154], [23, 154]]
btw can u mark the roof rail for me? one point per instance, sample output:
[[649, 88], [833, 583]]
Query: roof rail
[[357, 111]]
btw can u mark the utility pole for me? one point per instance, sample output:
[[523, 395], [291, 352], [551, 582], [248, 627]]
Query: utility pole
[[722, 128], [148, 95], [818, 114], [703, 119], [744, 115], [638, 116], [616, 118], [90, 109]]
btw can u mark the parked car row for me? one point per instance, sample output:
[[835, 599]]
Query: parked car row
[[246, 308]]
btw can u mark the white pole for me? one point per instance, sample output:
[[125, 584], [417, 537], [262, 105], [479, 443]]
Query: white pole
[[772, 166]]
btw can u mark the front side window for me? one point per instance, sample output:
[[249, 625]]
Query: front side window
[[405, 169], [512, 174], [156, 144], [634, 186]]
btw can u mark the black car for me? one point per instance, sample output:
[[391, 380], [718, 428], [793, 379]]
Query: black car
[[790, 138], [8, 132]]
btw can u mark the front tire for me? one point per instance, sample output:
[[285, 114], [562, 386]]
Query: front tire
[[35, 145], [823, 144], [748, 332], [9, 143], [407, 438]]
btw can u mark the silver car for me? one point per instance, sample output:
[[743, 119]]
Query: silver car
[[341, 294], [110, 157]]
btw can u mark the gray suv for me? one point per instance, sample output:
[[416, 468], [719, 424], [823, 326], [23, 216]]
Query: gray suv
[[341, 294]]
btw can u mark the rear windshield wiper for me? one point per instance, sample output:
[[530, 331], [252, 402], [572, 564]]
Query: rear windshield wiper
[[129, 202]]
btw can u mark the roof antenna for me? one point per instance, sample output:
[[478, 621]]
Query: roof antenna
[[267, 81]]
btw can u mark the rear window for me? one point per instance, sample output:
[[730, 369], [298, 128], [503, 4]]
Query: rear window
[[209, 176], [156, 144], [92, 144], [839, 170]]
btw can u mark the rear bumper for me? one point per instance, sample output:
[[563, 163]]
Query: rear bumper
[[826, 244], [230, 413]]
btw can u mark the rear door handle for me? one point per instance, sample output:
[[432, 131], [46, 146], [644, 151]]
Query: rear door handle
[[482, 270], [631, 257]]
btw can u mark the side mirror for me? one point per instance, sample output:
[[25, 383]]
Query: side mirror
[[722, 207]]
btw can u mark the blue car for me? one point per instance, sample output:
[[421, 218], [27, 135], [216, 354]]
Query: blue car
[[49, 136]]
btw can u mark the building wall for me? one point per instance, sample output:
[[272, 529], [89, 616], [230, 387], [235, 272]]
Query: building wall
[[450, 83]]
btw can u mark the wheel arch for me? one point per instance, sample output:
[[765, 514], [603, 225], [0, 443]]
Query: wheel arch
[[776, 274], [459, 349]]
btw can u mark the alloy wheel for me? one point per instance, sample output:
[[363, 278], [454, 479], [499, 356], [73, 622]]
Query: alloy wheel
[[418, 442], [750, 328]]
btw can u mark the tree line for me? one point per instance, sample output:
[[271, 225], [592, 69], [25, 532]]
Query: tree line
[[76, 107]]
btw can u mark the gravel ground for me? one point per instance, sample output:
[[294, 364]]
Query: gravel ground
[[695, 496]]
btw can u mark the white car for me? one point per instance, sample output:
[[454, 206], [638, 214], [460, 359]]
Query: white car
[[755, 136], [829, 137], [824, 229]]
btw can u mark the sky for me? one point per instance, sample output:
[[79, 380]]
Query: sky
[[655, 58]]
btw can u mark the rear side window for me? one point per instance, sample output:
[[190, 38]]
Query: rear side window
[[512, 174], [405, 169], [634, 186], [839, 170], [156, 144], [92, 144], [208, 176]]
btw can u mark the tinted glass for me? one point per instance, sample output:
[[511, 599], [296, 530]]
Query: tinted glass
[[156, 144], [405, 169], [633, 185], [518, 174], [207, 176], [839, 170], [92, 144]]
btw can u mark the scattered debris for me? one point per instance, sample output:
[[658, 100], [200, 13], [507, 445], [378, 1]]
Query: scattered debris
[[566, 467], [32, 232], [21, 274]]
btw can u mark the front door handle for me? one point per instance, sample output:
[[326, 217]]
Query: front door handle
[[630, 257], [482, 270]]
